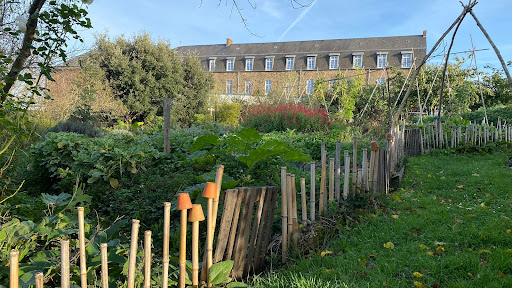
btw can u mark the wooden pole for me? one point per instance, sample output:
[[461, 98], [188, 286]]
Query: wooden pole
[[218, 182], [284, 215], [346, 181], [322, 180], [294, 201], [183, 248], [165, 260], [364, 174], [354, 162], [81, 240], [132, 260], [196, 215], [147, 259], [312, 193], [338, 171], [104, 265], [64, 263], [39, 280], [331, 179], [289, 193], [13, 269], [167, 125], [304, 209]]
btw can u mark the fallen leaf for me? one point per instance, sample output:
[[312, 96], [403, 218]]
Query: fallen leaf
[[430, 253], [508, 231], [395, 216], [439, 243], [440, 249], [461, 186], [483, 204], [389, 245], [508, 251], [471, 275], [424, 247], [471, 215], [429, 176], [323, 253], [502, 275], [417, 274], [329, 271], [484, 251], [419, 284], [475, 175], [372, 256]]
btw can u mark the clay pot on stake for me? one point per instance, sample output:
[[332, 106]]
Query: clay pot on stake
[[196, 215], [210, 192], [183, 205]]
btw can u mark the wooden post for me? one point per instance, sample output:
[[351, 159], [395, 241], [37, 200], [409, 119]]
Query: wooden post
[[359, 177], [338, 171], [183, 204], [147, 259], [284, 215], [196, 215], [354, 164], [13, 269], [294, 202], [322, 180], [312, 196], [209, 192], [304, 209], [289, 194], [331, 179], [104, 265], [364, 174], [64, 264], [81, 240], [39, 280], [218, 182], [165, 260], [167, 126], [132, 259], [346, 185]]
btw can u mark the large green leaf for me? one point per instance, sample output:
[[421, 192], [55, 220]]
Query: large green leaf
[[205, 141], [219, 272], [249, 135]]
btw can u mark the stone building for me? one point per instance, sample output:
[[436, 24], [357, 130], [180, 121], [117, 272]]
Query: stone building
[[292, 67]]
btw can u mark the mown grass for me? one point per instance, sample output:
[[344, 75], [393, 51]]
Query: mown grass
[[449, 227]]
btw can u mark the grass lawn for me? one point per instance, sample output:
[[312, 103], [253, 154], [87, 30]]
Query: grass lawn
[[450, 226]]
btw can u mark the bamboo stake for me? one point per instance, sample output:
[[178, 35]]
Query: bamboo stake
[[132, 259], [165, 260], [359, 177], [183, 248], [218, 182], [196, 215], [13, 269], [312, 193], [289, 198], [346, 186], [294, 202], [322, 180], [331, 179], [39, 280], [304, 209], [81, 240], [147, 259], [354, 164], [284, 215], [364, 181], [104, 265], [64, 266], [338, 171]]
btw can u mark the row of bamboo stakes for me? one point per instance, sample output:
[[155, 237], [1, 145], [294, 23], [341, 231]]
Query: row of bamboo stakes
[[211, 191], [437, 137], [372, 175]]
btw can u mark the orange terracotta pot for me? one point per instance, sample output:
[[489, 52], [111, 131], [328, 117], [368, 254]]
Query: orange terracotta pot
[[374, 146], [196, 213], [184, 201], [210, 190]]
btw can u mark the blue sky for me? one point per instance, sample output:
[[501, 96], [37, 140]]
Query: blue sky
[[195, 22]]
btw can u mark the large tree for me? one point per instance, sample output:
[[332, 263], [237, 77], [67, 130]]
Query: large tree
[[142, 73]]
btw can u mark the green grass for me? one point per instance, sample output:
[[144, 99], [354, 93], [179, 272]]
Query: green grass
[[453, 218]]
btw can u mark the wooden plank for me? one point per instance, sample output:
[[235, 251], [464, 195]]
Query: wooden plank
[[322, 179], [260, 192], [354, 164], [230, 200], [338, 171], [268, 226], [243, 236], [234, 225], [267, 201]]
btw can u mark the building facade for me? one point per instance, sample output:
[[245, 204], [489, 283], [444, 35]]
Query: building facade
[[291, 68]]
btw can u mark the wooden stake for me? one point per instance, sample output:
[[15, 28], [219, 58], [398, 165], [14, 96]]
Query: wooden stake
[[338, 171], [218, 182], [104, 265], [304, 209], [331, 179], [13, 269], [165, 260], [196, 215], [312, 199], [132, 259], [64, 263], [183, 248], [81, 240], [39, 280], [147, 259], [346, 181], [289, 198], [322, 180], [284, 215], [294, 201], [364, 181], [354, 164]]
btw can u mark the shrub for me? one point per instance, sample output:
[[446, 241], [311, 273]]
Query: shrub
[[286, 116], [79, 127]]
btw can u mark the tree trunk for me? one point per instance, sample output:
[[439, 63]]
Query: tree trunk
[[25, 52]]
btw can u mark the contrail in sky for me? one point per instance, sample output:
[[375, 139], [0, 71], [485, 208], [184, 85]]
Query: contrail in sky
[[304, 12]]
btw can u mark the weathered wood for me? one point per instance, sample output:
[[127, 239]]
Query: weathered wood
[[354, 164], [147, 259], [64, 264], [312, 200], [322, 180], [14, 258], [268, 227], [104, 266], [39, 280], [284, 215], [260, 193], [132, 259], [289, 194], [346, 183], [294, 202], [183, 248], [338, 171], [81, 240], [230, 200], [331, 179], [364, 182], [303, 196], [265, 221], [243, 236], [165, 260], [234, 225]]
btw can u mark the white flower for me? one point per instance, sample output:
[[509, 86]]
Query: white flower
[[88, 2], [21, 22]]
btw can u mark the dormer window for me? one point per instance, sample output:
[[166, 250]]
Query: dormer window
[[230, 63], [311, 62], [334, 60], [406, 59], [357, 60], [382, 59], [211, 64], [290, 62], [269, 63], [249, 63]]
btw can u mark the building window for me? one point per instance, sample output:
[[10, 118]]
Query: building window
[[357, 61], [311, 62], [248, 86], [268, 86], [381, 60], [230, 64], [309, 87], [381, 81], [211, 65], [249, 64], [406, 60], [333, 61], [269, 63], [229, 87], [290, 61]]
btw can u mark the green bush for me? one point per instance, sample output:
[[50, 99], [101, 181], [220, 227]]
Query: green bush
[[228, 114], [504, 112], [71, 126]]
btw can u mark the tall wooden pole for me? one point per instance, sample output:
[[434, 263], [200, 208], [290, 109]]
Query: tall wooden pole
[[165, 260], [104, 265], [312, 193], [39, 280], [147, 259], [132, 259], [13, 269], [64, 264], [354, 158], [81, 240], [338, 171], [322, 180], [331, 179], [303, 196], [284, 215]]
